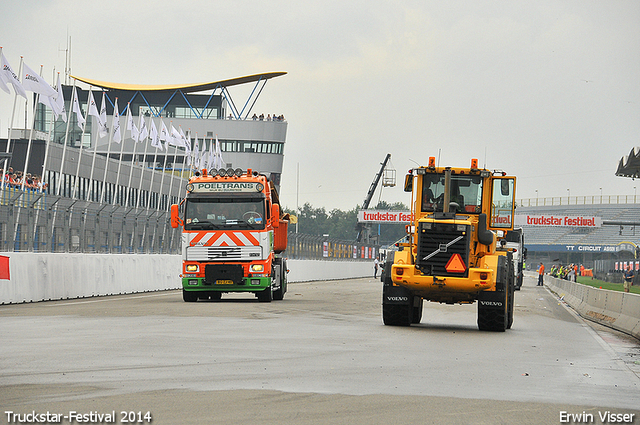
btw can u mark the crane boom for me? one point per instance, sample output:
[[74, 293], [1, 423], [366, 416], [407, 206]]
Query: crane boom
[[367, 200]]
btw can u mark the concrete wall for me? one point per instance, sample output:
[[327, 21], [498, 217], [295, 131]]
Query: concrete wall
[[618, 310], [38, 277]]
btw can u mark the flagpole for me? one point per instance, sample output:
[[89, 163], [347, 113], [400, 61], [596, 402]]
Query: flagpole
[[10, 128], [106, 165], [33, 123], [66, 137], [76, 183], [95, 152], [164, 167], [120, 157], [46, 156], [133, 157], [64, 151], [144, 160], [48, 142], [153, 172]]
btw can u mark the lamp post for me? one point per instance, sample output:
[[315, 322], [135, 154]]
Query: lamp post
[[536, 197], [600, 195], [568, 196], [634, 194]]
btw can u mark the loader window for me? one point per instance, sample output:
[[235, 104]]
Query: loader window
[[465, 192], [502, 197]]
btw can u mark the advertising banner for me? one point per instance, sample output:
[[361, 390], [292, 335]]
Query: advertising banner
[[382, 216], [557, 220]]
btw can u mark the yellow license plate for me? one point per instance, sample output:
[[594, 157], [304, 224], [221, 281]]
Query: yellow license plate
[[224, 282]]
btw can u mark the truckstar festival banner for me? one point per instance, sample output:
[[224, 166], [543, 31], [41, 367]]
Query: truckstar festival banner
[[391, 217], [557, 220]]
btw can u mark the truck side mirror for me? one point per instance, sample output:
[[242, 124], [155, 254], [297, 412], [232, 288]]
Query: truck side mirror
[[408, 183], [175, 216], [505, 187], [275, 215]]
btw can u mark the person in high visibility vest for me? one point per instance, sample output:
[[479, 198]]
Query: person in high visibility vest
[[540, 274]]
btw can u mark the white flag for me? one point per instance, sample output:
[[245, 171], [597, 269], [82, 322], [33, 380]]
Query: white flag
[[76, 109], [221, 163], [196, 153], [93, 107], [33, 82], [59, 106], [203, 154], [174, 138], [142, 128], [155, 137], [212, 155], [130, 125], [186, 141], [56, 105], [3, 84], [103, 130], [115, 125], [10, 77]]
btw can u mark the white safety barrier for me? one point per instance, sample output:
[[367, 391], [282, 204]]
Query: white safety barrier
[[618, 310], [47, 276]]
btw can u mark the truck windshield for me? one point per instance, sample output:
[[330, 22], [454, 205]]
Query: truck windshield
[[465, 193], [224, 213]]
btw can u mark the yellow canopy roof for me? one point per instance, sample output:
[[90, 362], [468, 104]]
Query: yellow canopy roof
[[185, 88]]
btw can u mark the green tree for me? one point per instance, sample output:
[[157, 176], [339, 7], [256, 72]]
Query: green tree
[[341, 225]]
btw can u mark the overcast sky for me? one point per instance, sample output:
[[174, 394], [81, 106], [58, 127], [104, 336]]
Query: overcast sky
[[546, 90]]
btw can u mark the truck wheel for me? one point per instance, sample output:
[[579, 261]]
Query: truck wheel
[[511, 296], [278, 294], [417, 310], [216, 296], [394, 313], [494, 320], [265, 296], [189, 297], [493, 307]]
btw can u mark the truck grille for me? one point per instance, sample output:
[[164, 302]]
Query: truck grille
[[434, 238], [224, 253]]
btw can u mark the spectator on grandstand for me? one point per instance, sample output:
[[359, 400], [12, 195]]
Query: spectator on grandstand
[[28, 181], [540, 274]]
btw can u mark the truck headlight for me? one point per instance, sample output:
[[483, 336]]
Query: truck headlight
[[192, 268], [257, 267]]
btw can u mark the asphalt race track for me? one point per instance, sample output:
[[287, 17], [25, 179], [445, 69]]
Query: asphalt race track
[[320, 356]]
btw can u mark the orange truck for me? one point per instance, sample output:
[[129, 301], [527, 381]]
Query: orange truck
[[234, 233]]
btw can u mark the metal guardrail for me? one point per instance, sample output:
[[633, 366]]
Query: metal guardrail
[[39, 222], [578, 200], [31, 221], [308, 247]]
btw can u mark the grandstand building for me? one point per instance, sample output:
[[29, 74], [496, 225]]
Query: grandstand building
[[606, 233], [248, 139]]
